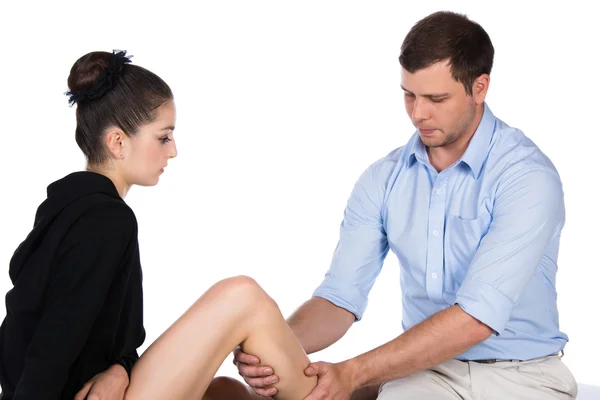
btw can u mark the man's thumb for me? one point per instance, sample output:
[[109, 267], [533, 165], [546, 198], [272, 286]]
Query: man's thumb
[[312, 369]]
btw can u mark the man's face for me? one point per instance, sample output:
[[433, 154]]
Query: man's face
[[438, 105]]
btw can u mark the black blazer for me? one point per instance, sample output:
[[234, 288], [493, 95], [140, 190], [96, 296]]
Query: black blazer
[[76, 305]]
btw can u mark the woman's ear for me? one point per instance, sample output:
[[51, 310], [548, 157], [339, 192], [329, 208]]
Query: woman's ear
[[115, 141]]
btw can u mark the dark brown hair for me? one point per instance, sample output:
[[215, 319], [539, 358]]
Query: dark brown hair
[[446, 35], [133, 96]]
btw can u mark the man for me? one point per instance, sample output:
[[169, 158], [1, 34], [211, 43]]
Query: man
[[473, 210]]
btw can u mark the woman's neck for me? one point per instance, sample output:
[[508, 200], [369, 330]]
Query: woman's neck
[[117, 179]]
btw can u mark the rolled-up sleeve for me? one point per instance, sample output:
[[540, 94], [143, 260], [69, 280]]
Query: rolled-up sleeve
[[362, 246], [528, 213]]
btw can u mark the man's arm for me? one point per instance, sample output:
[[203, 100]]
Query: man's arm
[[318, 324], [341, 298], [528, 214], [441, 337]]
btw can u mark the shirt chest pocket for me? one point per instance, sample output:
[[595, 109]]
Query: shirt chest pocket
[[462, 239]]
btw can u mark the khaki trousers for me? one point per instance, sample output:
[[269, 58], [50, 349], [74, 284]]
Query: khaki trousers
[[540, 378]]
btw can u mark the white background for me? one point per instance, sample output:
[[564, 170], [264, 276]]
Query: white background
[[281, 106]]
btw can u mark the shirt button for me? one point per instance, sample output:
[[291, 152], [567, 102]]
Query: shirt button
[[434, 275], [438, 191], [435, 233]]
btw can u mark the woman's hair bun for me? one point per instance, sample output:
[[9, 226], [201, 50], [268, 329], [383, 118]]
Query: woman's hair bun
[[94, 74]]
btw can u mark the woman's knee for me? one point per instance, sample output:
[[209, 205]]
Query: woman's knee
[[243, 288]]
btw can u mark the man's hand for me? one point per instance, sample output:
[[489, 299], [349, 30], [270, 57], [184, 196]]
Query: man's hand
[[108, 385], [335, 381], [258, 377]]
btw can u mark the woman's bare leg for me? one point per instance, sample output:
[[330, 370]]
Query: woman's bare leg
[[181, 363]]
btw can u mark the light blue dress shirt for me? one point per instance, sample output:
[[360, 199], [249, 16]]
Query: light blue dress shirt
[[483, 233]]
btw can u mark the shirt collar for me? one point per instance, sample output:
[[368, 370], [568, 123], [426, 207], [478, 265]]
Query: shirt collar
[[476, 152], [417, 151], [479, 146]]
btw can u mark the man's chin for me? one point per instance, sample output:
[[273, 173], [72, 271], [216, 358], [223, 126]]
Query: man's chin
[[429, 141]]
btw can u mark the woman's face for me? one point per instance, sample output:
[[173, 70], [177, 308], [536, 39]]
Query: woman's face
[[150, 149]]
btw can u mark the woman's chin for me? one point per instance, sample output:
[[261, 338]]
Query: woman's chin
[[150, 181]]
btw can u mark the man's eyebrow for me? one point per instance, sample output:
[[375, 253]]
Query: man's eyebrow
[[428, 95]]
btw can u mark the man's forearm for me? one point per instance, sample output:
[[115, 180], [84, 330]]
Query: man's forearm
[[319, 323], [439, 338]]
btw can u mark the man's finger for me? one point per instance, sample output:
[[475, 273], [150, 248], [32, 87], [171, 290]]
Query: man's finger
[[314, 369], [236, 351], [265, 392], [254, 372], [244, 358], [261, 382]]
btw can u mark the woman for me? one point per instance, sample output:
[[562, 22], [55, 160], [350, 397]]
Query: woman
[[75, 311]]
